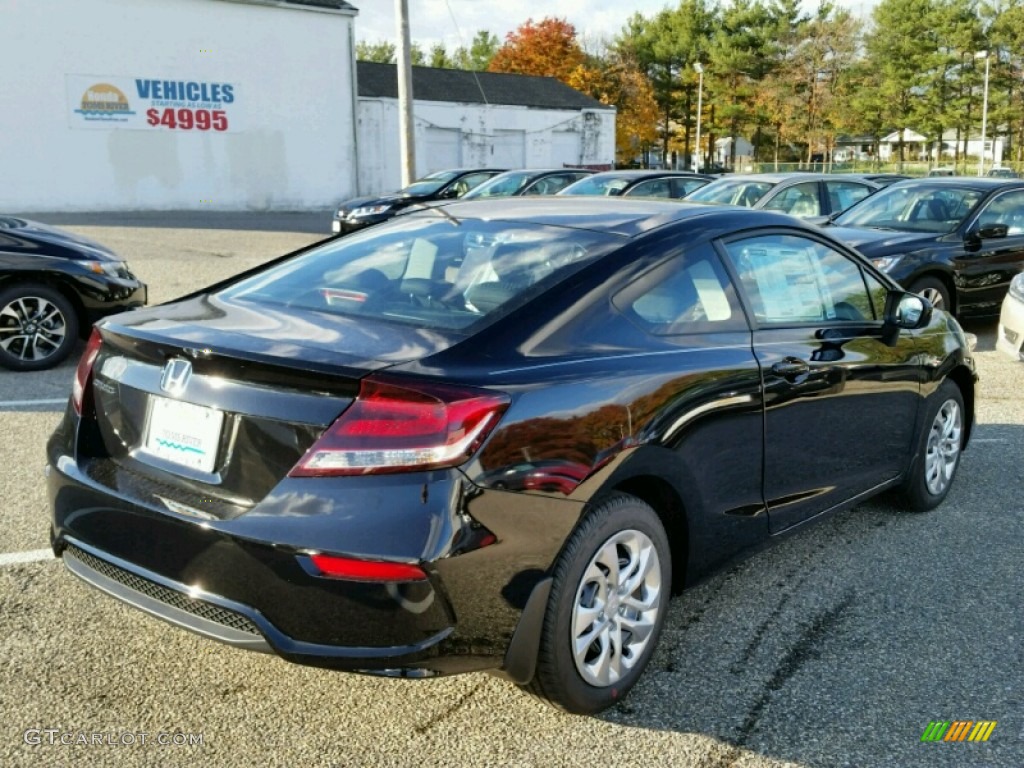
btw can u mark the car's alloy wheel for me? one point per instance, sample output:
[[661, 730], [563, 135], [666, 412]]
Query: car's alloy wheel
[[934, 291], [616, 608], [609, 596], [38, 327], [943, 451], [939, 446]]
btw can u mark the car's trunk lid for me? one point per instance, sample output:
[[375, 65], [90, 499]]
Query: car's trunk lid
[[204, 406]]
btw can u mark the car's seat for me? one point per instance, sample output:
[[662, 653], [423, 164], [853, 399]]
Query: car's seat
[[514, 275], [804, 205]]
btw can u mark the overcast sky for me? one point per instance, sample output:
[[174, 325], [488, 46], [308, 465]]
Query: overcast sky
[[430, 20]]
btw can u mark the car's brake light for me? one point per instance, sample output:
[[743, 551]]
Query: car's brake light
[[398, 425], [83, 374], [350, 568]]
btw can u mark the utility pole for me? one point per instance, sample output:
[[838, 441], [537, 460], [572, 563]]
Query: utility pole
[[406, 127], [984, 114], [699, 68]]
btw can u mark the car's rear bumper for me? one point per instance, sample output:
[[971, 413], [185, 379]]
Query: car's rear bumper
[[201, 575], [228, 621], [245, 580], [1010, 336]]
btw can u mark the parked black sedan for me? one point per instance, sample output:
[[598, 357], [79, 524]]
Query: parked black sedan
[[53, 286], [497, 435], [957, 241], [360, 212]]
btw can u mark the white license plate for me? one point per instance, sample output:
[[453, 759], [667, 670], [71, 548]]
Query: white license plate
[[336, 226], [183, 433]]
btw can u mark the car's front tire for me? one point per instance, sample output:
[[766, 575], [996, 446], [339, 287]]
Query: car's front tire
[[38, 327], [609, 596], [935, 291], [940, 442]]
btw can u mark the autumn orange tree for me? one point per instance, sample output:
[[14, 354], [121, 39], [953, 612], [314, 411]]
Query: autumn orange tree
[[618, 82], [548, 48]]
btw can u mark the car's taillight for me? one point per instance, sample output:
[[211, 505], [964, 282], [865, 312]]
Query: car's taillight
[[397, 425], [350, 568], [83, 373]]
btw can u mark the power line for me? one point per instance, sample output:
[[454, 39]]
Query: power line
[[462, 40]]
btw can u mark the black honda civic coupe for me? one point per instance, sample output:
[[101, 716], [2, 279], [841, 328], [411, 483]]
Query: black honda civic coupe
[[319, 458]]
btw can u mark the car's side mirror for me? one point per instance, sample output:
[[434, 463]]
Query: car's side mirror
[[991, 231], [451, 193], [906, 311]]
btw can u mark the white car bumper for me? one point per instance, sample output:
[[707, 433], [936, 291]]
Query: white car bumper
[[1011, 327]]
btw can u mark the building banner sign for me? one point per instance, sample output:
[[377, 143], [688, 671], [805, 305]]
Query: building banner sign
[[146, 104]]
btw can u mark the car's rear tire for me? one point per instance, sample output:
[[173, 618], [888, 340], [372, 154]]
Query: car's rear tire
[[609, 597], [38, 327], [935, 291], [938, 450]]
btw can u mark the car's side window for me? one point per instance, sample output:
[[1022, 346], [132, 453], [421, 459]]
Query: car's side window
[[1006, 209], [791, 279], [652, 188], [799, 200], [691, 294], [683, 187], [470, 181], [843, 194], [878, 291], [549, 185]]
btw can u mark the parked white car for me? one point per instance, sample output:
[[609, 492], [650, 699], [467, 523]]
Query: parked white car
[[1011, 321]]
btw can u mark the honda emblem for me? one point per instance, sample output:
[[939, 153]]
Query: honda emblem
[[175, 377]]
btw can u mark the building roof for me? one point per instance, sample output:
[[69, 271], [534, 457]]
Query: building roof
[[324, 6], [461, 86], [337, 5]]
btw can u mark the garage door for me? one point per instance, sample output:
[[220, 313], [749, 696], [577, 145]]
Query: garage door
[[565, 148], [509, 149], [442, 150]]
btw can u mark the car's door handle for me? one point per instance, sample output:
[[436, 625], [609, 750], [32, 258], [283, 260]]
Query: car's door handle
[[791, 368]]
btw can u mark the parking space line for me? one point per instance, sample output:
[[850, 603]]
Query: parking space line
[[21, 403], [32, 556]]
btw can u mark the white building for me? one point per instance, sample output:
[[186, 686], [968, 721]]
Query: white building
[[916, 146], [246, 105], [744, 152], [477, 119], [162, 104]]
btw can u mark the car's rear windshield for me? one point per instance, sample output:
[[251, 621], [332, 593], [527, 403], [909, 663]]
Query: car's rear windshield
[[433, 273], [731, 192]]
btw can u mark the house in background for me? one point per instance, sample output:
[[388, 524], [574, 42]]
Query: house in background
[[744, 153], [994, 147], [477, 119]]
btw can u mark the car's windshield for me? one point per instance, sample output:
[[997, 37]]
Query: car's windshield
[[430, 272], [597, 185], [429, 183], [917, 207], [503, 185], [731, 192]]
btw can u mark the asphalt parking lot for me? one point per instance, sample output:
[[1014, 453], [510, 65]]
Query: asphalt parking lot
[[835, 647]]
